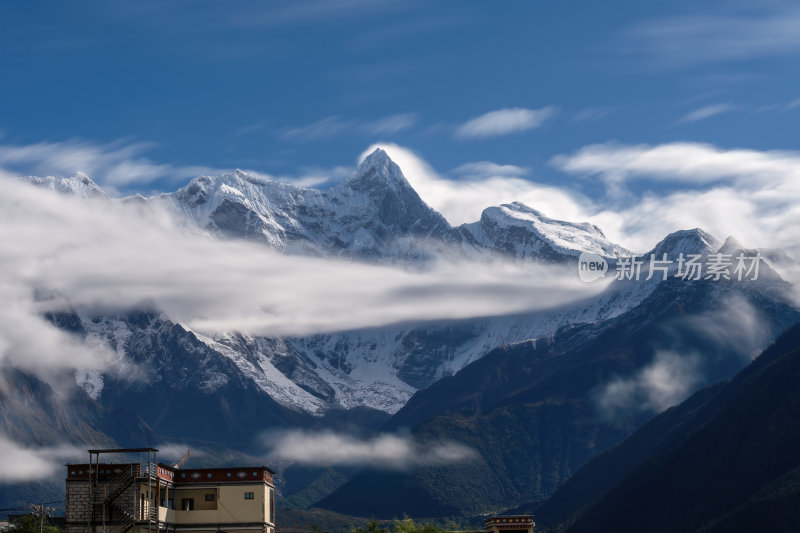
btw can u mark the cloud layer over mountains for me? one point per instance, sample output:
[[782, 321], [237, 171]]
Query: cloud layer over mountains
[[100, 256], [97, 256]]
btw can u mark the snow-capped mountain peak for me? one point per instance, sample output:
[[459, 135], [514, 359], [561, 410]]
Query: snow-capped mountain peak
[[372, 214], [522, 231], [378, 170], [731, 245], [79, 185], [689, 241]]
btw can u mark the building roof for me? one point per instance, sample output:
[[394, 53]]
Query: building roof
[[124, 450], [205, 469]]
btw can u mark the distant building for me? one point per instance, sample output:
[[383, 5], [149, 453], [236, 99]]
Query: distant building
[[510, 524], [151, 497]]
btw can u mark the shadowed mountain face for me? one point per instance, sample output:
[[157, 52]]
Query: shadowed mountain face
[[65, 420], [375, 214], [723, 460], [186, 389], [537, 411]]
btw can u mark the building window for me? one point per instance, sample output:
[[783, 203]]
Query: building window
[[229, 474], [209, 476], [210, 497], [249, 496], [183, 474], [187, 504]]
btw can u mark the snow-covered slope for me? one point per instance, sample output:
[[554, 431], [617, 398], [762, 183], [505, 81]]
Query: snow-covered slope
[[79, 185], [690, 241], [383, 367], [524, 232], [374, 214]]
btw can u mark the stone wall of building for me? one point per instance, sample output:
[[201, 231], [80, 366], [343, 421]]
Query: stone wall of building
[[77, 507]]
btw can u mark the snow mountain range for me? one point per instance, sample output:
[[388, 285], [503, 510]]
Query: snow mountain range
[[373, 215]]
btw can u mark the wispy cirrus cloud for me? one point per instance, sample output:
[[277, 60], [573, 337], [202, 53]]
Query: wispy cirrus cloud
[[314, 176], [247, 129], [121, 166], [683, 161], [698, 39], [592, 113], [794, 104], [390, 124], [504, 122], [489, 169], [333, 126], [115, 164], [707, 112], [325, 128], [392, 452]]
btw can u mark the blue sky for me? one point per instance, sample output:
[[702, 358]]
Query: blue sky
[[299, 89]]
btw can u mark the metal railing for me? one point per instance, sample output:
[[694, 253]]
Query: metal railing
[[121, 482]]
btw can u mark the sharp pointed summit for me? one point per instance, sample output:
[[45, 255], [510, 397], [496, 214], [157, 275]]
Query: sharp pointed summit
[[378, 170], [688, 241], [732, 245]]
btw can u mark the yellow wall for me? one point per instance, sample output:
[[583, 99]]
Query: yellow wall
[[230, 505], [199, 496]]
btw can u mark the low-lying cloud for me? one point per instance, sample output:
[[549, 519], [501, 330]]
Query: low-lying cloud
[[666, 381], [19, 463], [173, 451], [392, 452], [731, 333]]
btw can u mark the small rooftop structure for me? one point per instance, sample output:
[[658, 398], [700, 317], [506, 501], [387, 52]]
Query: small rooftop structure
[[510, 523]]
